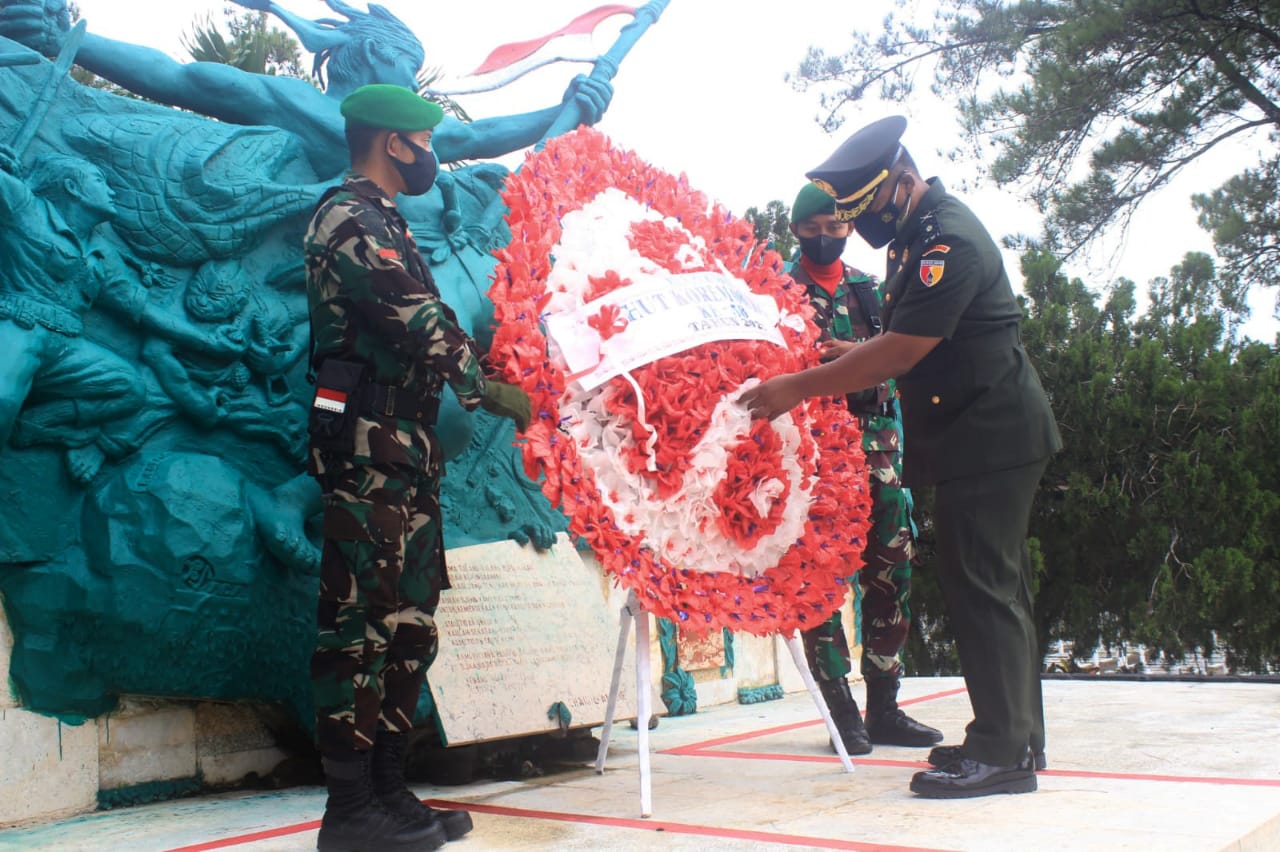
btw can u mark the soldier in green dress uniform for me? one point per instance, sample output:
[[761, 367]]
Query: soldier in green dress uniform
[[847, 309], [384, 345], [977, 426]]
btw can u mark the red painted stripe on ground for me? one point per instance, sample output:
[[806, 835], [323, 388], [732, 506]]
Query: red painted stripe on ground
[[654, 825], [1218, 780], [765, 732], [907, 702], [801, 758], [282, 831], [737, 738], [1221, 781]]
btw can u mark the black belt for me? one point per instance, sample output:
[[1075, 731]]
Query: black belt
[[391, 401]]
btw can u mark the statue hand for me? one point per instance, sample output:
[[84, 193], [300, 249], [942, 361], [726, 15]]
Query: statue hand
[[451, 220], [592, 96], [39, 24], [9, 161], [227, 340]]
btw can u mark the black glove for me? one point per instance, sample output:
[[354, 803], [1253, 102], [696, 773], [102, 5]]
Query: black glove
[[504, 400]]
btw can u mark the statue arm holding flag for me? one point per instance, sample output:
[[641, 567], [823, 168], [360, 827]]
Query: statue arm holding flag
[[372, 47], [493, 137]]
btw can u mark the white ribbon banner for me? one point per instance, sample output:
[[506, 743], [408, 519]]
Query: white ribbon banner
[[663, 314]]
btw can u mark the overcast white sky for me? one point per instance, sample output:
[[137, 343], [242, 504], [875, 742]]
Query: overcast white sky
[[703, 93]]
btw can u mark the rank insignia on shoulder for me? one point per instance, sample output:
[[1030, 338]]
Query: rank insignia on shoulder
[[328, 399], [931, 271], [938, 249], [388, 254]]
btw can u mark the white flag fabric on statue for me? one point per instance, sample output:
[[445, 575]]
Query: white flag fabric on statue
[[508, 62]]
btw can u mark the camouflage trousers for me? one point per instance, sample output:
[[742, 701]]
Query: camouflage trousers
[[885, 582], [381, 572]]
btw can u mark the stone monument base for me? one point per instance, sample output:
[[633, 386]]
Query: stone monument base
[[151, 749]]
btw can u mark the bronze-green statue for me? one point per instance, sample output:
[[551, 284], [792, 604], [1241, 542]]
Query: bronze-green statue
[[154, 295]]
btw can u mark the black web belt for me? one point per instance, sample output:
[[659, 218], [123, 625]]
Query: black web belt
[[390, 401]]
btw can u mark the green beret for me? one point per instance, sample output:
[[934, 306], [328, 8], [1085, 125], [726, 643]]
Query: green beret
[[811, 201], [852, 174], [390, 107]]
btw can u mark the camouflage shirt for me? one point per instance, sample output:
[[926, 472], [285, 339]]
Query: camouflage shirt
[[372, 299], [839, 317]]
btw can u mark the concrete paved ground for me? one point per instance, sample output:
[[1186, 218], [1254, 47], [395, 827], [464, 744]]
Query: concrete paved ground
[[1143, 766]]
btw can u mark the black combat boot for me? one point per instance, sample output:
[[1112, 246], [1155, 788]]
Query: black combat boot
[[389, 752], [844, 712], [354, 821], [887, 724]]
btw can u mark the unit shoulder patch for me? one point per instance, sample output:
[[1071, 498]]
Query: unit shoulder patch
[[931, 271]]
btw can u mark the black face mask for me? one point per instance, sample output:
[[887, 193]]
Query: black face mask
[[878, 229], [419, 175], [822, 249]]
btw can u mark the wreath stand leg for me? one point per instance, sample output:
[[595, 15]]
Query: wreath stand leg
[[797, 654], [632, 614]]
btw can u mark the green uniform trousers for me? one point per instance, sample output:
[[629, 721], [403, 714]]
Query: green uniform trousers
[[885, 580], [984, 569], [381, 572]]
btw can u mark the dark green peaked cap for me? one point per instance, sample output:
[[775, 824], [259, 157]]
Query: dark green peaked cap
[[858, 166], [390, 107]]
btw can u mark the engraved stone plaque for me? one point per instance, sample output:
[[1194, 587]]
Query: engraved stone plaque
[[520, 631]]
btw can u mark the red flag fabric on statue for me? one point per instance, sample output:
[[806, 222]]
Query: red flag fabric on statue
[[508, 54]]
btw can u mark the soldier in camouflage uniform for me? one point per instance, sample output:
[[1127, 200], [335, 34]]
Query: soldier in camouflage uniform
[[384, 345], [846, 304]]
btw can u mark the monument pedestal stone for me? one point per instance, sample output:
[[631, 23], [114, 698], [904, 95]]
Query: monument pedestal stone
[[520, 633], [48, 769]]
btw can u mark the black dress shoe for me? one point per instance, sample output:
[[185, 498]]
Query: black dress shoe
[[940, 756], [967, 778]]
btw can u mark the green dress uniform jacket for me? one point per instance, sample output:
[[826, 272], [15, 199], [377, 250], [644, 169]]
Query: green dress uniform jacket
[[977, 426], [974, 404]]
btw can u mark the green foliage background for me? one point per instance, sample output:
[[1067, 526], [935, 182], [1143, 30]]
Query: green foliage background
[[1158, 522]]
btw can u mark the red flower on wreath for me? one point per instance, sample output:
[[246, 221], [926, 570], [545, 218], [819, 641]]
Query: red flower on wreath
[[715, 520]]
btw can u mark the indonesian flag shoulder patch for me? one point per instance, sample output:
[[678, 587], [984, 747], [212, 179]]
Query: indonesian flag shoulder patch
[[931, 270], [328, 399]]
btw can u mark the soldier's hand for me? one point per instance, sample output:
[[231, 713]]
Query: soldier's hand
[[504, 400], [39, 24], [773, 397], [833, 349]]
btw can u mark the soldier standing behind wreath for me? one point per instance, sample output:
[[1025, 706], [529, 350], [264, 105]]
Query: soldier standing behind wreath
[[979, 428], [384, 346], [846, 306]]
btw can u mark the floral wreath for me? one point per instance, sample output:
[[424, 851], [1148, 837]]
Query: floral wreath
[[713, 519]]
